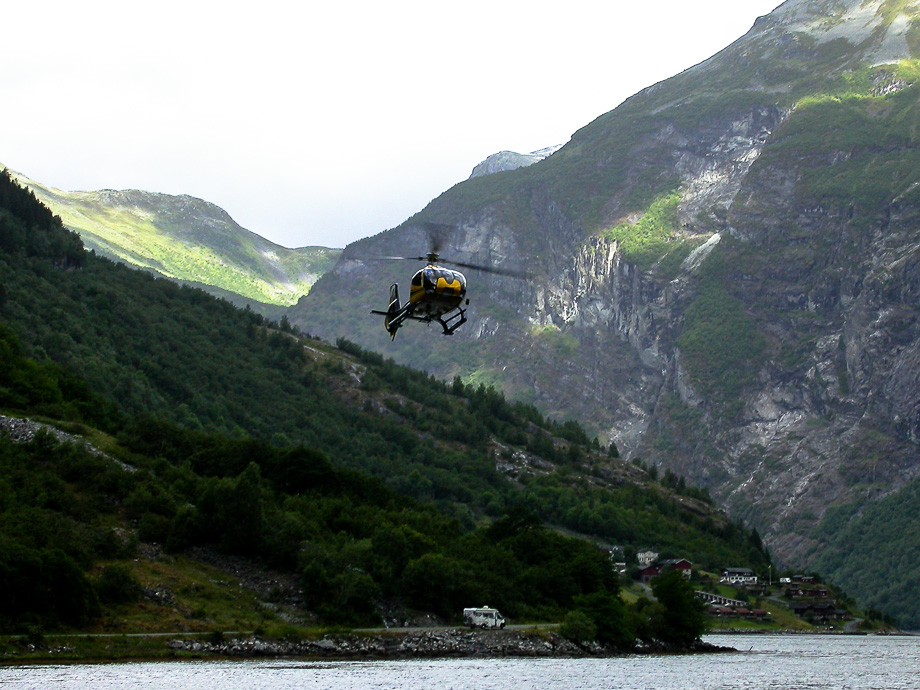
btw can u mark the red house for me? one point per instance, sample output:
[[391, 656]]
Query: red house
[[681, 564], [649, 573]]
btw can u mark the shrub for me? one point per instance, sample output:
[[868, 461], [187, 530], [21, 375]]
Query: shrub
[[578, 627], [117, 585]]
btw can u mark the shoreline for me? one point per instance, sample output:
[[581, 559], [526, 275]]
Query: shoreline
[[415, 643], [351, 646]]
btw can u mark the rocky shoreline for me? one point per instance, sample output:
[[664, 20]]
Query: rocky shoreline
[[419, 644]]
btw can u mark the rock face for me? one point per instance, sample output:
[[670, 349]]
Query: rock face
[[759, 335], [21, 430], [509, 160]]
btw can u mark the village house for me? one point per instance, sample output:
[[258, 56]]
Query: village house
[[681, 564], [649, 573], [738, 612], [797, 591], [653, 570], [738, 576], [646, 557], [759, 589], [820, 612]]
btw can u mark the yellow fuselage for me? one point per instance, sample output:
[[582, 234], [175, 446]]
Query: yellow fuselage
[[436, 290]]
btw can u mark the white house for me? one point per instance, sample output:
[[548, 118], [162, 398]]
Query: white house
[[738, 576], [646, 557]]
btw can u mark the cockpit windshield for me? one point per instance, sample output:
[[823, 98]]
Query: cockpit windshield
[[433, 274]]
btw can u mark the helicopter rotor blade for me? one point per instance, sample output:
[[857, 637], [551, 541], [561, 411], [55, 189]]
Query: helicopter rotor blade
[[431, 258], [491, 269]]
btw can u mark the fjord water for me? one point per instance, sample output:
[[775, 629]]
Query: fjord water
[[764, 662]]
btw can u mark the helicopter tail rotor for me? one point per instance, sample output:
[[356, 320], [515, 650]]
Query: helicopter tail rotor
[[390, 322], [395, 314]]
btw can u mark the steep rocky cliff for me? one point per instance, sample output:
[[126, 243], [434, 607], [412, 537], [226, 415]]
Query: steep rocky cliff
[[726, 273]]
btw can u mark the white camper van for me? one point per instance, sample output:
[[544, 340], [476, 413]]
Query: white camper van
[[484, 617]]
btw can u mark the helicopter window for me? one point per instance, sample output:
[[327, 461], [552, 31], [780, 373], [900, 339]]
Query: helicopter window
[[435, 273], [431, 277]]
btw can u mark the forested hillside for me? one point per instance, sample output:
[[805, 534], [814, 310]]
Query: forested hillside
[[379, 487]]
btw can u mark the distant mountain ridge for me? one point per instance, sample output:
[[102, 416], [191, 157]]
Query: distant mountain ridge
[[189, 240]]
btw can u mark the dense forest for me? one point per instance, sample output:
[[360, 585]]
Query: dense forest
[[376, 484]]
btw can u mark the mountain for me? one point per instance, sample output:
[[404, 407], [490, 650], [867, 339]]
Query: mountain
[[148, 430], [188, 240], [725, 274], [509, 160]]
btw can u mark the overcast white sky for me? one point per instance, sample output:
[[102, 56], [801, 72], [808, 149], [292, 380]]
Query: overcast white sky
[[322, 122]]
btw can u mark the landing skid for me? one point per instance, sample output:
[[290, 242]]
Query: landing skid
[[449, 324], [396, 316], [454, 322]]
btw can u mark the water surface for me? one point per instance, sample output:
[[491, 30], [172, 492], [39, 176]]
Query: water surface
[[764, 662]]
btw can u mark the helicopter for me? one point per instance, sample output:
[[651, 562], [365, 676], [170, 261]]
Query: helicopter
[[436, 293]]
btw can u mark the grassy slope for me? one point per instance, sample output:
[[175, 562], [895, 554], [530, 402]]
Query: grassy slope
[[244, 264]]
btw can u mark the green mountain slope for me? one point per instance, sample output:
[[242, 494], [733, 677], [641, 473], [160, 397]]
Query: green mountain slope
[[382, 490], [189, 240], [724, 277]]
